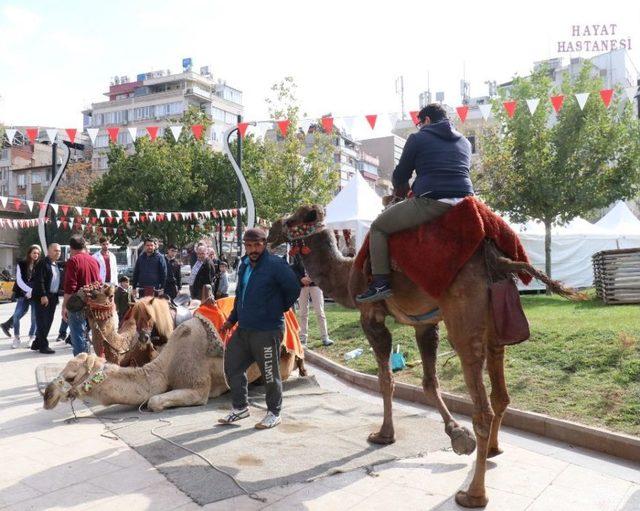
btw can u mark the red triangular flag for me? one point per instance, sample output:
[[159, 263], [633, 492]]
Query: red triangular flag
[[462, 112], [557, 101], [86, 212], [242, 128], [113, 134], [93, 219], [197, 129], [414, 117], [284, 126], [606, 95], [17, 203], [510, 107], [32, 133], [153, 132], [71, 133], [327, 124], [372, 120], [64, 209]]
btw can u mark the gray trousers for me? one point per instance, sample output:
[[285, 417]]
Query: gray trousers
[[404, 215], [246, 347]]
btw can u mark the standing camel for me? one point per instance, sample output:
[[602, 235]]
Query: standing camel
[[465, 309]]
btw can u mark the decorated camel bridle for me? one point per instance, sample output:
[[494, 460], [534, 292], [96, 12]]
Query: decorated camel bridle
[[85, 385], [298, 233]]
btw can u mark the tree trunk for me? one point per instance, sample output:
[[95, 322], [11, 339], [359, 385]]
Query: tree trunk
[[547, 250]]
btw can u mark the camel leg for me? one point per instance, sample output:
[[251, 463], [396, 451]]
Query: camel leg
[[427, 336], [380, 340], [499, 395], [178, 397], [302, 370]]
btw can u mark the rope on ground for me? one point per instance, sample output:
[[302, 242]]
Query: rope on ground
[[168, 423], [105, 434]]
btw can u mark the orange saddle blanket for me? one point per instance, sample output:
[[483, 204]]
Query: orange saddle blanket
[[433, 254], [218, 312]]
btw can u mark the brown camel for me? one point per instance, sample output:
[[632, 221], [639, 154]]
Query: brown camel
[[465, 309]]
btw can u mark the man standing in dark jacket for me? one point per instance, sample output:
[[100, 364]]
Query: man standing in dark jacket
[[46, 284], [150, 271], [174, 276], [266, 289], [441, 157], [203, 272]]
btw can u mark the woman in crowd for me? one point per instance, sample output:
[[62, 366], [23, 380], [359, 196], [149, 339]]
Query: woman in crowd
[[22, 291]]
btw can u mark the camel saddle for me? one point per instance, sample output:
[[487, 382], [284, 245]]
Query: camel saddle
[[432, 255]]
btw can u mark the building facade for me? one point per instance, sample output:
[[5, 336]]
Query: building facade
[[159, 98]]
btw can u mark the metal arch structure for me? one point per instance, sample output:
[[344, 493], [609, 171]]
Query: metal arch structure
[[251, 207], [42, 232]]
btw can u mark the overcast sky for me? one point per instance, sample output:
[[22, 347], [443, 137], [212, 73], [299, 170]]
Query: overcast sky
[[58, 57]]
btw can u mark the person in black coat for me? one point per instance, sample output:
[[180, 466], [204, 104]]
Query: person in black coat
[[174, 276], [46, 286], [203, 272]]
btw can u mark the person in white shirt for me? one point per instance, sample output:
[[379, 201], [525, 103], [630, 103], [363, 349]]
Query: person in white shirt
[[22, 290], [107, 263]]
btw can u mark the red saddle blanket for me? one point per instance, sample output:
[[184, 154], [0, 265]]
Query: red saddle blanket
[[433, 254]]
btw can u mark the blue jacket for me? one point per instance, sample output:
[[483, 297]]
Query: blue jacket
[[150, 271], [441, 157], [272, 289]]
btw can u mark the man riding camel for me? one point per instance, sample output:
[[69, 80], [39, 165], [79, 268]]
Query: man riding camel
[[441, 158]]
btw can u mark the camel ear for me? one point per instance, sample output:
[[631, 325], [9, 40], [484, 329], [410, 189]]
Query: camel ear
[[82, 357], [152, 299], [90, 362]]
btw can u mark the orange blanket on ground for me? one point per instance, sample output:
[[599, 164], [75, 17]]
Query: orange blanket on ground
[[218, 312], [433, 254]]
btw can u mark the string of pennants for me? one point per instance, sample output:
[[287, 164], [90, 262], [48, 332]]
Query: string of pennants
[[327, 122], [21, 223]]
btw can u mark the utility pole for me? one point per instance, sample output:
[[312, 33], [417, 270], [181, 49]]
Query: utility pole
[[400, 92]]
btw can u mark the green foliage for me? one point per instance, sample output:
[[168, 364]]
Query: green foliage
[[556, 167], [285, 172], [166, 175]]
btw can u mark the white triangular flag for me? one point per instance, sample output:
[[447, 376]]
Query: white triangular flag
[[582, 99], [393, 119], [631, 93], [305, 124], [117, 213], [11, 133], [533, 105], [54, 206], [29, 204], [176, 130], [133, 133], [98, 212], [485, 111], [93, 133], [3, 200], [58, 222], [79, 210], [52, 133]]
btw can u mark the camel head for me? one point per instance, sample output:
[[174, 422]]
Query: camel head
[[308, 214], [63, 387], [97, 298]]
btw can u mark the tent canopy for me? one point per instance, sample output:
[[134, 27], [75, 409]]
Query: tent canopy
[[620, 220]]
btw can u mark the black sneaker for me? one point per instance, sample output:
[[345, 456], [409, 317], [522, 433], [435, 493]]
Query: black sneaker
[[46, 351], [377, 291], [5, 329]]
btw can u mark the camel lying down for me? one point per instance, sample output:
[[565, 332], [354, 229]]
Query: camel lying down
[[187, 372]]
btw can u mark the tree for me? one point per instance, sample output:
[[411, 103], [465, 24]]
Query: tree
[[76, 183], [554, 167], [286, 171], [166, 175]]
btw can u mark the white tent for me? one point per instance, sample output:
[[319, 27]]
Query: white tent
[[624, 223], [355, 207]]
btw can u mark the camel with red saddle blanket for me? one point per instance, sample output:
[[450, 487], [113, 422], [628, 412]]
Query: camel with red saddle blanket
[[457, 274]]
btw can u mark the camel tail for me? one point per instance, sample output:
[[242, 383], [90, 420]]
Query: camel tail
[[555, 286]]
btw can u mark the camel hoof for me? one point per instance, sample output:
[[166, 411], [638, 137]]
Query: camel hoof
[[494, 451], [462, 440], [377, 438], [465, 500], [155, 404]]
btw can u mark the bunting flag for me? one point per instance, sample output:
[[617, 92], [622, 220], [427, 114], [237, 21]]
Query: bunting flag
[[29, 204], [71, 133], [3, 200], [557, 102], [53, 206], [305, 124], [242, 128], [133, 133], [17, 203], [462, 112], [485, 111], [284, 126], [327, 124], [153, 132], [11, 134], [582, 99], [113, 134], [64, 209], [606, 95], [175, 131], [414, 117], [532, 104], [631, 93], [197, 129], [349, 121], [371, 119], [32, 133], [52, 133], [93, 133], [510, 107], [393, 119]]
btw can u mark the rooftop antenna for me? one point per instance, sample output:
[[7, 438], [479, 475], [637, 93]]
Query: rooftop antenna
[[400, 91]]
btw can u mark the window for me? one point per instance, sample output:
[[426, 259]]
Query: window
[[144, 112], [36, 179], [230, 118], [217, 114], [102, 141], [22, 180], [124, 138]]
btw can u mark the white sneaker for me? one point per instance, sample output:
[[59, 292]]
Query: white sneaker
[[234, 416], [271, 420], [16, 343]]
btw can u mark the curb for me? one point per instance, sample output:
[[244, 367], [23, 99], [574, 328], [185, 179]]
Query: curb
[[596, 439]]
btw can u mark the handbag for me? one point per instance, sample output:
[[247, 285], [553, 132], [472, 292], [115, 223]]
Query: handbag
[[511, 325]]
